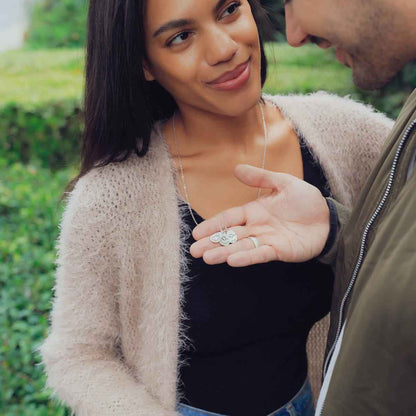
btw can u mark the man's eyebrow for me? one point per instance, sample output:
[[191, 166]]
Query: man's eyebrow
[[176, 24], [173, 24]]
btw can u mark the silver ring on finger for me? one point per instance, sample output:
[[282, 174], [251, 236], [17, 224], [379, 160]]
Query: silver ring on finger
[[255, 241]]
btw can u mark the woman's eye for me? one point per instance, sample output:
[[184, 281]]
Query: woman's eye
[[231, 9], [180, 38]]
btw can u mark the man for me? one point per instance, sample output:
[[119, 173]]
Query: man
[[370, 368]]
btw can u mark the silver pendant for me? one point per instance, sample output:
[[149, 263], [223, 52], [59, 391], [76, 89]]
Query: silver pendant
[[231, 236], [216, 238], [225, 238]]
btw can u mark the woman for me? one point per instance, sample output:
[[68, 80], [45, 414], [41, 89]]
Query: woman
[[173, 103]]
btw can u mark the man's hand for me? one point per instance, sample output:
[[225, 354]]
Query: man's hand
[[291, 223]]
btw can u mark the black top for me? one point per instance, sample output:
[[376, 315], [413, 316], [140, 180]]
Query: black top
[[248, 327]]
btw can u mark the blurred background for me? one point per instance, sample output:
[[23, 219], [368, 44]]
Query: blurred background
[[41, 83]]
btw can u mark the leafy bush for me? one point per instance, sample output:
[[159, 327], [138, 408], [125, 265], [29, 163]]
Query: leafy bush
[[49, 136], [29, 214], [58, 23], [40, 107]]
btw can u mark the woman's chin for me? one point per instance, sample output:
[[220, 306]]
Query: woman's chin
[[238, 105]]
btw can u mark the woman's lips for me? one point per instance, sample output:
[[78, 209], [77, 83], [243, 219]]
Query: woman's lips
[[234, 79]]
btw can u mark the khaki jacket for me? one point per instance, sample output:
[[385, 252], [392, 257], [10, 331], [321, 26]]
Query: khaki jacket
[[375, 373]]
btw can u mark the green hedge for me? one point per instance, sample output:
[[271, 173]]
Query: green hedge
[[49, 136], [29, 215], [58, 23], [40, 106]]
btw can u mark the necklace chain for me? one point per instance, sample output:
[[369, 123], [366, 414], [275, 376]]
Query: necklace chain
[[181, 166]]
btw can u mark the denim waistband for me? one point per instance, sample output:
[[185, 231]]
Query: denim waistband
[[300, 405]]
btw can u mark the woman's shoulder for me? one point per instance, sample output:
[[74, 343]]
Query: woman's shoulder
[[345, 137], [120, 187], [334, 123], [99, 199], [129, 174], [331, 109], [106, 183]]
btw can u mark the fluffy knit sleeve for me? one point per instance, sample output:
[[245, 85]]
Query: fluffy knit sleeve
[[83, 365], [346, 138]]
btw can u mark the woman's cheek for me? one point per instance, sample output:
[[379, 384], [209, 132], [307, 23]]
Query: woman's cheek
[[246, 33], [177, 77]]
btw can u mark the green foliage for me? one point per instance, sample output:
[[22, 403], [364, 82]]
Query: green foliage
[[29, 214], [305, 70], [58, 23], [40, 107], [49, 135]]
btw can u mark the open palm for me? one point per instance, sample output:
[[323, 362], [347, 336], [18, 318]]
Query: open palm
[[291, 223]]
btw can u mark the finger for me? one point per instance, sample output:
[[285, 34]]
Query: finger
[[262, 178], [220, 255], [262, 254], [229, 218], [198, 248]]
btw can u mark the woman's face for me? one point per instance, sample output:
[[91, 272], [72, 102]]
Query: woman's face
[[206, 53]]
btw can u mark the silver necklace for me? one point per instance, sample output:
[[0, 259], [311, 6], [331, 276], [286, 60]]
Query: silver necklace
[[225, 236]]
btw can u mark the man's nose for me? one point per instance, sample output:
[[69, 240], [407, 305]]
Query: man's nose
[[295, 35]]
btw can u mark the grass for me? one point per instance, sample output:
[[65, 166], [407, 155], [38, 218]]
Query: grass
[[35, 77], [304, 70]]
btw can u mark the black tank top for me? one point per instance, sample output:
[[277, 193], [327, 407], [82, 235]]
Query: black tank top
[[248, 327]]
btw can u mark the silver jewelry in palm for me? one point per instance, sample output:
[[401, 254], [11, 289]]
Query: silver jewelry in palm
[[225, 236]]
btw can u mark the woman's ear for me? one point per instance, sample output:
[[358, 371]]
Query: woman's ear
[[147, 72]]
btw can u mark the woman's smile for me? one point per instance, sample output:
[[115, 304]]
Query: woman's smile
[[234, 79]]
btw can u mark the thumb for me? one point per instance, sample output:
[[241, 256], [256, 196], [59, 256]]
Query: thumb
[[262, 178]]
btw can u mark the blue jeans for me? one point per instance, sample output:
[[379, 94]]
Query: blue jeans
[[300, 405]]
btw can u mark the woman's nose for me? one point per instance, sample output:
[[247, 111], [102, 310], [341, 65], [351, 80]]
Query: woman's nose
[[220, 47], [294, 33]]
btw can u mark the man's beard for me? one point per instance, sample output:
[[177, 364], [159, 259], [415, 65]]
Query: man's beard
[[375, 72]]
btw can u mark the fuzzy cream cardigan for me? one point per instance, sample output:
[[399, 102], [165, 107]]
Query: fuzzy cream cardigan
[[115, 339]]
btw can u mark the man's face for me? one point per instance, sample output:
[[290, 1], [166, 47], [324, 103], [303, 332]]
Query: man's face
[[367, 35]]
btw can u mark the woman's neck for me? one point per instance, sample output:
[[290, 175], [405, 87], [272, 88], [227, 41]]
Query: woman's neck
[[199, 131]]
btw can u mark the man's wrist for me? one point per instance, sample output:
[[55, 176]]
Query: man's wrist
[[333, 227]]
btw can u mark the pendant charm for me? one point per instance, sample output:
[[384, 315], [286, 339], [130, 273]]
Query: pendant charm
[[228, 237], [215, 238], [225, 238]]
